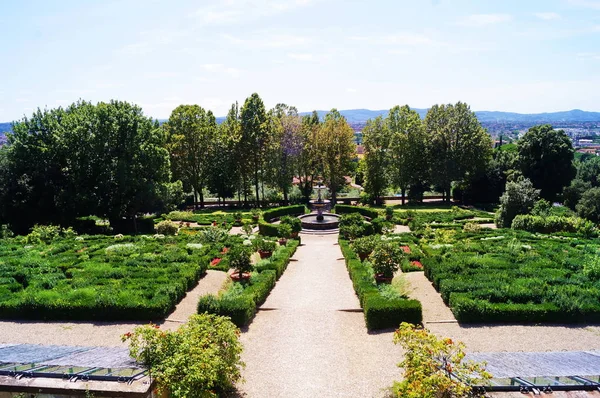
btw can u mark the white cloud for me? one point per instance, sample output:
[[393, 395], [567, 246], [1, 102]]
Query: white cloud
[[301, 56], [480, 20], [233, 11], [589, 55], [547, 16], [21, 100], [403, 39], [351, 90], [220, 68], [594, 4], [266, 40]]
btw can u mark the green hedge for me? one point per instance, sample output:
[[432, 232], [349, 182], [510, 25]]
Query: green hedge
[[365, 211], [553, 224], [380, 312], [296, 210], [267, 229], [242, 307]]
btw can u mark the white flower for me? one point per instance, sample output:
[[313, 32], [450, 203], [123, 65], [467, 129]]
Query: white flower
[[194, 245], [119, 236], [159, 236], [252, 237], [79, 238], [247, 242]]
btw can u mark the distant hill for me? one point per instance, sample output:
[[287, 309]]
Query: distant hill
[[576, 115]]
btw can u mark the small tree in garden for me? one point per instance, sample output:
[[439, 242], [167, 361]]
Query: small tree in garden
[[364, 246], [284, 231], [519, 198], [200, 359], [434, 367], [239, 259], [293, 222], [386, 259], [167, 227]]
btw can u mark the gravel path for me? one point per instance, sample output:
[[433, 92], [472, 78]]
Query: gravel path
[[103, 333], [499, 338], [303, 344], [401, 228]]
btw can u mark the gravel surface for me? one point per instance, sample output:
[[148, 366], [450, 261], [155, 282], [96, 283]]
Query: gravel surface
[[103, 333], [303, 344], [401, 228], [499, 338]]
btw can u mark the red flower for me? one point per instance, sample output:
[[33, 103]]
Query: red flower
[[215, 262], [127, 335], [225, 250], [406, 249], [416, 264]]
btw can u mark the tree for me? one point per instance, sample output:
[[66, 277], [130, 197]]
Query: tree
[[192, 133], [308, 161], [407, 148], [376, 140], [546, 158], [254, 137], [457, 145], [286, 147], [519, 198], [335, 141], [589, 205]]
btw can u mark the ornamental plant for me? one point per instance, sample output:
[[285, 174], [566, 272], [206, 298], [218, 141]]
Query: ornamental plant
[[200, 359], [294, 222], [167, 227], [364, 246], [264, 245], [284, 231], [389, 213], [386, 259], [239, 259], [434, 367]]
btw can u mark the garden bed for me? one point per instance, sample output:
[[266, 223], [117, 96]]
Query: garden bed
[[102, 278]]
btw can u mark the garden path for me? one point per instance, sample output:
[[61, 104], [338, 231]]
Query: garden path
[[398, 229], [309, 338], [105, 334]]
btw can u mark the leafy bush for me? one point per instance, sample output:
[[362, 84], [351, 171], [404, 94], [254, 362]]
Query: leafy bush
[[434, 367], [239, 259], [213, 235], [553, 224], [365, 245], [353, 226], [589, 205], [167, 227], [471, 227], [365, 211], [264, 245], [591, 267], [542, 208], [519, 198], [201, 358], [284, 231], [386, 259], [267, 229], [294, 222], [43, 233]]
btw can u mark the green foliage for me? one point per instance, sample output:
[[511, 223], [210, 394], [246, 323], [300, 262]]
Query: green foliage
[[239, 302], [381, 310], [386, 258], [472, 227], [542, 208], [264, 245], [353, 225], [591, 267], [296, 210], [294, 222], [365, 211], [546, 158], [519, 198], [267, 229], [376, 139], [201, 359], [365, 245], [239, 259], [213, 235], [167, 227], [100, 277], [553, 224], [434, 367], [589, 205], [284, 231]]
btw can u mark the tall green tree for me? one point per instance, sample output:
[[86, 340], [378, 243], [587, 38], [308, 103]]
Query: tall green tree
[[376, 141], [335, 141], [192, 134], [457, 145], [407, 148], [546, 158], [254, 137], [308, 162]]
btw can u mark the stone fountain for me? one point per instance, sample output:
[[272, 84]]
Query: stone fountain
[[321, 220]]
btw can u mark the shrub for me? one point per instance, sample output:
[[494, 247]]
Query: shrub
[[389, 213], [542, 208], [434, 367], [247, 229], [553, 224], [589, 205], [519, 198], [213, 235], [365, 245], [294, 222], [353, 226], [277, 212], [264, 245], [471, 227], [167, 227], [5, 232], [591, 267], [284, 231], [386, 259], [382, 313], [201, 358], [365, 211], [239, 259], [266, 229]]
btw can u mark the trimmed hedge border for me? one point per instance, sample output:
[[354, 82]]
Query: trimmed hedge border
[[295, 210], [241, 309], [365, 211], [267, 229], [380, 312]]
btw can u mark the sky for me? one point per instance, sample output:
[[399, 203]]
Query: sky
[[512, 55]]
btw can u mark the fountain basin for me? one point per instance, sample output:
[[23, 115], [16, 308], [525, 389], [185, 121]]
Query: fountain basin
[[311, 221]]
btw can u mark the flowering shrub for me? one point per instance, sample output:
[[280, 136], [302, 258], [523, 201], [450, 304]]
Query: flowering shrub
[[200, 359], [386, 259], [430, 363], [167, 227], [215, 262]]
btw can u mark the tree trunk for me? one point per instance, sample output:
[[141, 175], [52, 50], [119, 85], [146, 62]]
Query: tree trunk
[[285, 196], [195, 198], [135, 230], [256, 186], [403, 195], [201, 196]]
